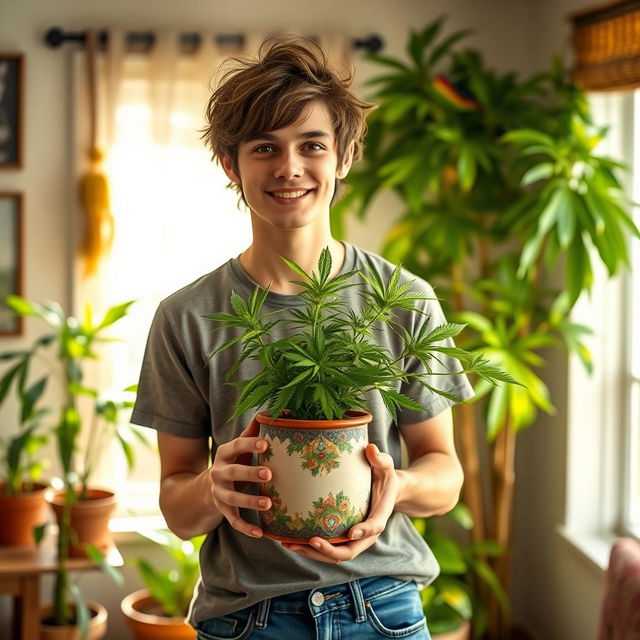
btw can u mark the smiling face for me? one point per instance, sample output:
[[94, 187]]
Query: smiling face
[[288, 175]]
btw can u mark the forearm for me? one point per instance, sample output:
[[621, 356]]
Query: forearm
[[187, 505], [430, 485]]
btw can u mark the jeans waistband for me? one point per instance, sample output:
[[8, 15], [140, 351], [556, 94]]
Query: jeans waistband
[[320, 601]]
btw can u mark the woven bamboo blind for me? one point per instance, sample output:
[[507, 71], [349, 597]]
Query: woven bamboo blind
[[606, 42]]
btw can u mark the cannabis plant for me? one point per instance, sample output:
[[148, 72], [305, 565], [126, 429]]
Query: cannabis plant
[[329, 359]]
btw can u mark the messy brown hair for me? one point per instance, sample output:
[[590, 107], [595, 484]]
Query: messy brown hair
[[269, 93]]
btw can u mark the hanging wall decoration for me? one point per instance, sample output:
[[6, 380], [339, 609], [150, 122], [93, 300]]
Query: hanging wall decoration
[[10, 260], [11, 115]]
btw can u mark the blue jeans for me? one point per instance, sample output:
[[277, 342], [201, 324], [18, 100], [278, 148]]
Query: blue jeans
[[358, 610]]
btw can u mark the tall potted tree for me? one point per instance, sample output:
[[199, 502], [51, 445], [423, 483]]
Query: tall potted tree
[[499, 178]]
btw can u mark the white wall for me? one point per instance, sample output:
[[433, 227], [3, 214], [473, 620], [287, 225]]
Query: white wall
[[555, 591]]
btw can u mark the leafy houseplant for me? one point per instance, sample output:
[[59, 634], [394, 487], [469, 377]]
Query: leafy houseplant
[[22, 501], [453, 599], [499, 178], [161, 608], [330, 360], [72, 343], [321, 371]]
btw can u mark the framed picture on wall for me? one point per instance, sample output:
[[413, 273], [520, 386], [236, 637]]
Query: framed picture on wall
[[11, 110], [10, 260]]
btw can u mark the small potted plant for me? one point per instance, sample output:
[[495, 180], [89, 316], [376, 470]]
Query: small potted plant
[[23, 508], [159, 610], [313, 386], [73, 342]]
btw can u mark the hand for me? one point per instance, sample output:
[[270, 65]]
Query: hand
[[384, 491], [232, 471]]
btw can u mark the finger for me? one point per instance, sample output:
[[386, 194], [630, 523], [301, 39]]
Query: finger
[[233, 516], [377, 459], [324, 551], [252, 429], [236, 499], [229, 451], [228, 473]]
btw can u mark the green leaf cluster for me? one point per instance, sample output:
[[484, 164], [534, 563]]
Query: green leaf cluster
[[172, 588], [64, 349], [329, 358], [498, 199], [454, 596]]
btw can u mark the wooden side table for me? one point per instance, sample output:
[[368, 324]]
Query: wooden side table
[[20, 571]]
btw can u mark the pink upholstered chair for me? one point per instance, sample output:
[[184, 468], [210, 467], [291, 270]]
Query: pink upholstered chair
[[620, 616]]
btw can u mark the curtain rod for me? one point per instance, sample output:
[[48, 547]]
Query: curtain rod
[[56, 37]]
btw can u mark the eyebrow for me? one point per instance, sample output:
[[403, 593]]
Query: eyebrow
[[305, 135]]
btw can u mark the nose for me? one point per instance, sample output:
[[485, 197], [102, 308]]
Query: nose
[[289, 165]]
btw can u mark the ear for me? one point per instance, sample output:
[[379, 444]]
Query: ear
[[343, 169], [228, 169]]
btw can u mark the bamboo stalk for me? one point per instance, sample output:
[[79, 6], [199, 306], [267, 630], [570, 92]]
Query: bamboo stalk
[[465, 424], [504, 481]]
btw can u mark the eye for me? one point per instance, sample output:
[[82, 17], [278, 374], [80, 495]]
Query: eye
[[264, 148], [314, 146]]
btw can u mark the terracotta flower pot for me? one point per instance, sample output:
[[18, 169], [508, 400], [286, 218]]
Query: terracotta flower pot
[[144, 617], [20, 513], [321, 479], [89, 519], [97, 625]]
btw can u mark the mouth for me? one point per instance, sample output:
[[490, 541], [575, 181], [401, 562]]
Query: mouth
[[289, 196]]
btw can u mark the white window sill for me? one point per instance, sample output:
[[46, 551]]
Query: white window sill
[[593, 547]]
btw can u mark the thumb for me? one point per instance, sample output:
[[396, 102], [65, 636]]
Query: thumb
[[253, 429]]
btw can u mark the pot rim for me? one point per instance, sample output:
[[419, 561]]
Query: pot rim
[[56, 497], [99, 617], [38, 488], [140, 597], [354, 419]]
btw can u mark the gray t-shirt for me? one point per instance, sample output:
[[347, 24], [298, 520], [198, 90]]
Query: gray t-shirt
[[183, 394]]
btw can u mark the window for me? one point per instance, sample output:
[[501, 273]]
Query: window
[[175, 220], [603, 463]]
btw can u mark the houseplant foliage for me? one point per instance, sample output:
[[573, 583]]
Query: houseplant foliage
[[65, 349], [454, 597], [22, 503], [499, 178], [165, 601], [330, 360]]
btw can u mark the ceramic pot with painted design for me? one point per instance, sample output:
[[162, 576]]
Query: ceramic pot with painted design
[[321, 479]]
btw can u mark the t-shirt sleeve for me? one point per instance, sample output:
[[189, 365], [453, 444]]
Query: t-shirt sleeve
[[456, 384], [169, 397]]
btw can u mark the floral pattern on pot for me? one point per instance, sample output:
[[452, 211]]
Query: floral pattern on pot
[[320, 451], [330, 517]]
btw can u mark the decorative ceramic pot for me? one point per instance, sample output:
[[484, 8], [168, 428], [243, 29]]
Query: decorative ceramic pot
[[20, 513], [97, 624], [89, 520], [321, 479], [145, 619]]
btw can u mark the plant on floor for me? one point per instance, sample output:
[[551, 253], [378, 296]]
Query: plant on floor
[[498, 178], [330, 360]]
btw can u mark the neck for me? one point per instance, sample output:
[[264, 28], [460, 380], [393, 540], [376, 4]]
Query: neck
[[262, 260]]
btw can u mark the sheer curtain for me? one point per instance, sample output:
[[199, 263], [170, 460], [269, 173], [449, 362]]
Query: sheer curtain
[[174, 219]]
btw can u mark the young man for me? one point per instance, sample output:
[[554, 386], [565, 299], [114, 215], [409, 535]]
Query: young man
[[285, 129]]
